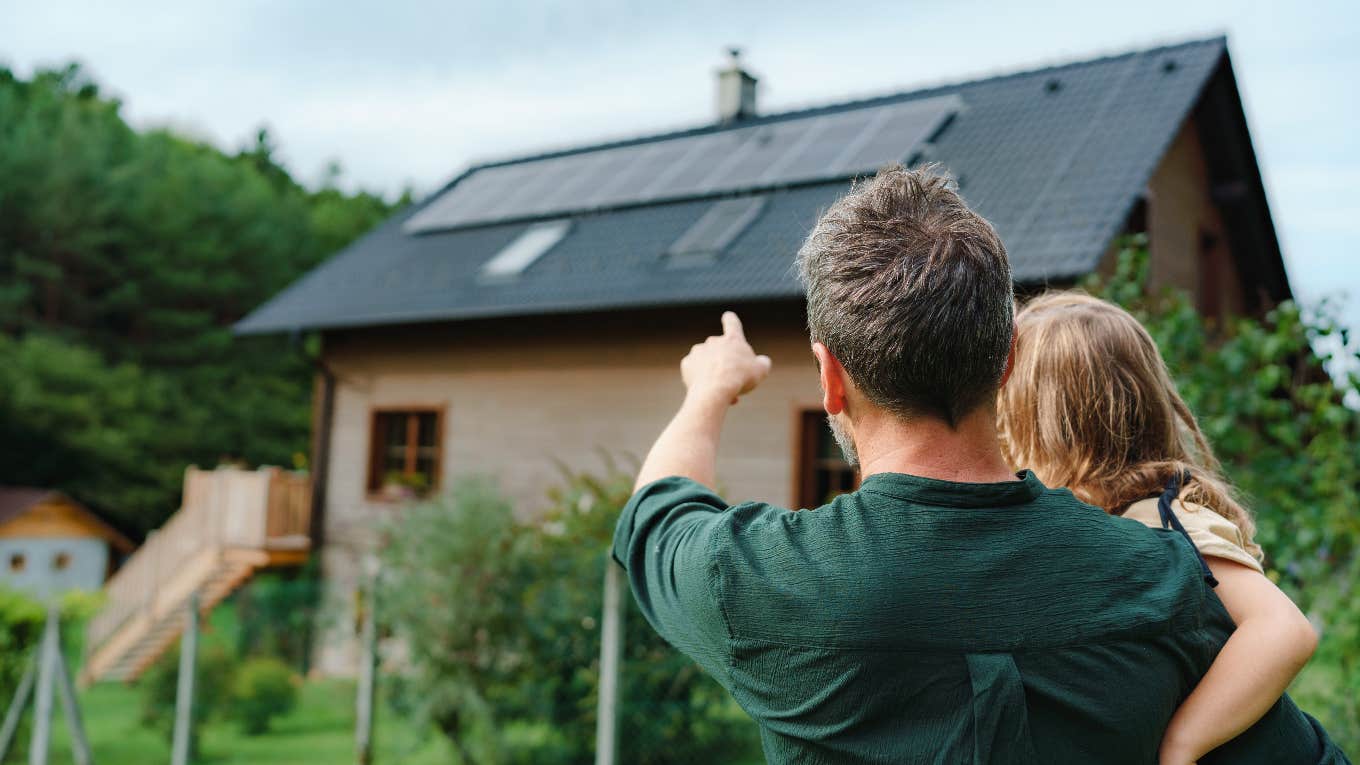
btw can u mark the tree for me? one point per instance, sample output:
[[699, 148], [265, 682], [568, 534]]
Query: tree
[[125, 257]]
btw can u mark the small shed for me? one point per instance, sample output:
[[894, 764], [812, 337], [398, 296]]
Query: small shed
[[49, 543]]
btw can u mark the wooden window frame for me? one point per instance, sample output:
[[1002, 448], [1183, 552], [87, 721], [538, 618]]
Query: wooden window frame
[[808, 423], [373, 480]]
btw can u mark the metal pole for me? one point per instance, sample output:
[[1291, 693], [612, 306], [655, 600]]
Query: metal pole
[[611, 648], [184, 694], [363, 723], [42, 714], [16, 707], [80, 746]]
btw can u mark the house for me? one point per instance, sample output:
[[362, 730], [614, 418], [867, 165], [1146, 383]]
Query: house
[[49, 543], [535, 309]]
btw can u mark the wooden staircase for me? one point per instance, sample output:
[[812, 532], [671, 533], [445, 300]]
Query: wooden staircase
[[233, 523]]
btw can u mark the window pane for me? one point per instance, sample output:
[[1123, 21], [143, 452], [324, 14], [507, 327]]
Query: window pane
[[428, 430], [406, 450]]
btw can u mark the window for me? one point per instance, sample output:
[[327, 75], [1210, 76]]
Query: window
[[1213, 261], [404, 452], [524, 249], [17, 562], [61, 561], [823, 472], [1137, 222], [714, 231]]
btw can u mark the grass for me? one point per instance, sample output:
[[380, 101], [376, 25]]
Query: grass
[[319, 730]]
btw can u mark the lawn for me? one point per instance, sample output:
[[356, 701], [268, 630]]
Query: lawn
[[320, 730]]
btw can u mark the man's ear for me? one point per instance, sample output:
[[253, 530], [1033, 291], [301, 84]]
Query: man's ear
[[833, 378], [1010, 362]]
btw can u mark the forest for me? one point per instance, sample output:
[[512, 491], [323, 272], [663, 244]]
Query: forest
[[125, 257]]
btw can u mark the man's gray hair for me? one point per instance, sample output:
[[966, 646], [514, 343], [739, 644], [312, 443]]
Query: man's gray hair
[[911, 291]]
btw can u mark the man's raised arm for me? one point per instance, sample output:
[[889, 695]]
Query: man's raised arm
[[716, 373], [667, 534]]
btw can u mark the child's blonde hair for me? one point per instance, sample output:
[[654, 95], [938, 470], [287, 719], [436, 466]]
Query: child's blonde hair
[[1090, 406]]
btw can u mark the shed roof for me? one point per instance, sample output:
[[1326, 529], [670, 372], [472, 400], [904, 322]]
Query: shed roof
[[1054, 157], [15, 501]]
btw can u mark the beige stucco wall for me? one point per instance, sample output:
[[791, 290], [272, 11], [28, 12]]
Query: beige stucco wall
[[1180, 212], [519, 395]]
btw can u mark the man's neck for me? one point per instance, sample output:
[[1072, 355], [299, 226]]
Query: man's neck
[[928, 447]]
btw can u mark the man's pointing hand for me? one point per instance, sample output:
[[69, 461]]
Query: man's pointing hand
[[724, 366]]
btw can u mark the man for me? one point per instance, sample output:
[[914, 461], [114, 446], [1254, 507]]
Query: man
[[949, 610]]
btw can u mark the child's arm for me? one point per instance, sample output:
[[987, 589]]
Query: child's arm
[[1273, 641]]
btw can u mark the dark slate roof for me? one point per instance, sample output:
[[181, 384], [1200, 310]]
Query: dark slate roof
[[1055, 158]]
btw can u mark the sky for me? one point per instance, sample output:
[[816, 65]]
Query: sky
[[403, 94]]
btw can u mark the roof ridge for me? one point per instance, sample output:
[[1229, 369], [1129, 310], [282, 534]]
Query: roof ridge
[[867, 101]]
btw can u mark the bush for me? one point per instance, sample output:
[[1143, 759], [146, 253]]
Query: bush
[[276, 612], [21, 628], [265, 688], [501, 620], [213, 672]]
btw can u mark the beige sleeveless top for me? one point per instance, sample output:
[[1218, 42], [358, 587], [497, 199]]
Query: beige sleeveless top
[[1214, 535]]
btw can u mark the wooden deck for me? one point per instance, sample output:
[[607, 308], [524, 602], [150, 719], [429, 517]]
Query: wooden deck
[[233, 523]]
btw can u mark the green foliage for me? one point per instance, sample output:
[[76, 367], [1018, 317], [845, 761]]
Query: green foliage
[[1287, 439], [214, 673], [125, 257], [22, 618], [21, 627], [502, 623], [276, 612], [265, 688]]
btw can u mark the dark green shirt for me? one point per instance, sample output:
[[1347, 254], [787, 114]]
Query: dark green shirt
[[918, 620]]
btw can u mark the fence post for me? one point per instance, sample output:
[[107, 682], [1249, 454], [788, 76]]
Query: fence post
[[80, 745], [16, 707], [368, 668], [184, 693], [611, 649], [48, 656]]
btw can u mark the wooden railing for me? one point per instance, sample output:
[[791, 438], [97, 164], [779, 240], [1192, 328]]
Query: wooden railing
[[223, 509]]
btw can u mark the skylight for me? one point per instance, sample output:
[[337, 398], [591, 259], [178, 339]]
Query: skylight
[[524, 250], [718, 227]]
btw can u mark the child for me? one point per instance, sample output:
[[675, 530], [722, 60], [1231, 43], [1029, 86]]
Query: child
[[1090, 406]]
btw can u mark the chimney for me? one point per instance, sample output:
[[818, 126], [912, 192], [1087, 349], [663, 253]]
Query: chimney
[[736, 90]]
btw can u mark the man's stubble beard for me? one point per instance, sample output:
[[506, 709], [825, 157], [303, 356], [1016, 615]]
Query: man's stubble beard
[[844, 439]]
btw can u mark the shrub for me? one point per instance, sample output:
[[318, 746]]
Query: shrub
[[213, 672], [276, 613], [265, 688], [21, 628], [501, 620]]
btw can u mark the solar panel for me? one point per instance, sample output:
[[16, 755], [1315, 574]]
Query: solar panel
[[794, 150], [645, 164], [901, 130], [760, 151]]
